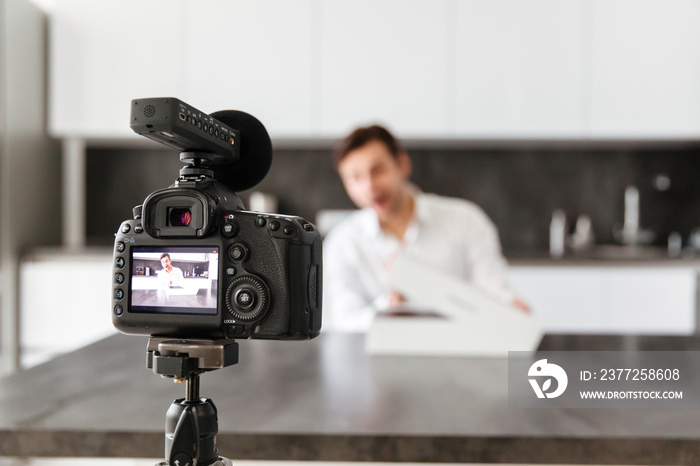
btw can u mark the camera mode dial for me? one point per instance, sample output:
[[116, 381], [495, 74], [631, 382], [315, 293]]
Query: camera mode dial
[[247, 298]]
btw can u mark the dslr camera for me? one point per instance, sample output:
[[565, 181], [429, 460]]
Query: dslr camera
[[193, 263]]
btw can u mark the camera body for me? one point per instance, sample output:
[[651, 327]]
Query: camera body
[[233, 273], [193, 263]]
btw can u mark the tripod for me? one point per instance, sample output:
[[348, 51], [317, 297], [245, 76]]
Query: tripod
[[191, 423]]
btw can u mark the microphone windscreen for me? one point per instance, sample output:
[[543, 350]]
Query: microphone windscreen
[[255, 152]]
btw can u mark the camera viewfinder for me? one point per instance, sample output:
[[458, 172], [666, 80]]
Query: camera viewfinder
[[179, 216]]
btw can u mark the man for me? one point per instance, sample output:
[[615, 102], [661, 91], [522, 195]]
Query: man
[[169, 276], [395, 217]]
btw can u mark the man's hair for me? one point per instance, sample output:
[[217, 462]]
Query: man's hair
[[165, 254], [362, 136]]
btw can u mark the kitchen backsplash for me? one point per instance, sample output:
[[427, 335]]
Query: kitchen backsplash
[[518, 185]]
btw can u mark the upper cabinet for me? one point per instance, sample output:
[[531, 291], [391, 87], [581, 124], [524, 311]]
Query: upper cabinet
[[541, 69], [517, 69], [102, 55], [644, 68], [255, 56], [384, 61]]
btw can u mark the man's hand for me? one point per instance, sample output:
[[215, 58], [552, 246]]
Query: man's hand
[[521, 305], [396, 298]]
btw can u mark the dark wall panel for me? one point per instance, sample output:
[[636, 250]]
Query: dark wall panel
[[519, 187]]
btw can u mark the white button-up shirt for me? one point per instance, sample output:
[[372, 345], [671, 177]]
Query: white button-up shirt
[[452, 234]]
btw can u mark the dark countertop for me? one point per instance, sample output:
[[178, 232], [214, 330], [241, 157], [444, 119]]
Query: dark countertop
[[327, 400]]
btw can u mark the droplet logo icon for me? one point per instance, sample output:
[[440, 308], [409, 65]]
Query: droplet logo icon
[[543, 371]]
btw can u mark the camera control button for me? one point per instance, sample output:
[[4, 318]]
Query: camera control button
[[229, 229], [119, 278], [288, 230], [274, 225], [260, 221], [247, 298], [230, 271], [118, 310], [138, 228], [119, 263], [244, 299], [126, 228], [119, 294], [121, 247], [238, 252]]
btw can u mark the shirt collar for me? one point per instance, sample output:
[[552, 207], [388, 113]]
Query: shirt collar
[[371, 222], [420, 216]]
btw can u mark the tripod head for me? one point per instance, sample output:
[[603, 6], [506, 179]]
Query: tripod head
[[180, 359], [191, 423]]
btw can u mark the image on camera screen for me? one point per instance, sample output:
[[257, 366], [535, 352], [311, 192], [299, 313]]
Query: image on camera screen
[[174, 280]]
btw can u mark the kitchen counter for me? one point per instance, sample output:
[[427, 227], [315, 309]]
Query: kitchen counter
[[574, 261], [326, 399], [606, 255]]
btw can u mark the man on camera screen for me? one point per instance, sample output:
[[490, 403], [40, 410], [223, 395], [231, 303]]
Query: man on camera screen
[[169, 276]]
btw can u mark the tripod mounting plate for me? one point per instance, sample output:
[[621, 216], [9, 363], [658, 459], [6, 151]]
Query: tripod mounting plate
[[183, 358]]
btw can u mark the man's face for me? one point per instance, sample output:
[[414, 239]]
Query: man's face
[[166, 263], [374, 178]]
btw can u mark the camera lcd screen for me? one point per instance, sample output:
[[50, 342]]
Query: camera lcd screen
[[174, 280]]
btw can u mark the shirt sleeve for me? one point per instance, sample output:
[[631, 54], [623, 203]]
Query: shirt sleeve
[[347, 306], [488, 266]]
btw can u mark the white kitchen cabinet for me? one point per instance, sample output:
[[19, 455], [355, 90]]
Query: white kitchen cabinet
[[103, 55], [644, 69], [518, 69], [213, 54], [651, 299], [66, 302], [256, 57], [564, 301], [384, 61], [541, 69]]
